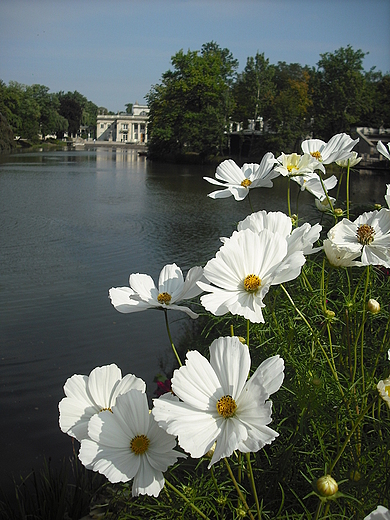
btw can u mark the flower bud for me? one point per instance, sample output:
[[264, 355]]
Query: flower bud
[[242, 340], [329, 314], [327, 486], [355, 475], [373, 306], [378, 206], [338, 212]]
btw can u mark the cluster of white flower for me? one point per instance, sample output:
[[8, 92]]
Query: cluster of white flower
[[213, 405], [299, 168]]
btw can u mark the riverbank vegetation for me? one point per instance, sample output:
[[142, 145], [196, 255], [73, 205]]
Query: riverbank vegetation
[[202, 101]]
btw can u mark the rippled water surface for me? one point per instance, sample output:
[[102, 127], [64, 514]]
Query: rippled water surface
[[74, 224]]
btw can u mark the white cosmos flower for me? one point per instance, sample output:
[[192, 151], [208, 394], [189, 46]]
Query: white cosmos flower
[[301, 238], [219, 403], [293, 164], [384, 390], [383, 150], [340, 257], [126, 443], [323, 204], [313, 184], [244, 269], [380, 513], [88, 395], [353, 161], [143, 294], [368, 234], [336, 149], [238, 181]]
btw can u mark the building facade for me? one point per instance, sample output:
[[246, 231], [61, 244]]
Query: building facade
[[124, 128]]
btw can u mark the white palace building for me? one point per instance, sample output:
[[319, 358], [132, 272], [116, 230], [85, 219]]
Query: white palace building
[[124, 128]]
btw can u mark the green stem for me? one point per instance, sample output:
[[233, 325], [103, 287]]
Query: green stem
[[326, 195], [253, 485], [170, 338], [181, 495], [242, 498], [349, 436], [247, 332], [339, 185], [334, 372]]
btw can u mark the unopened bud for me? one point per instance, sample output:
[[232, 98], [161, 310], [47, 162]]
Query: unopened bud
[[327, 486], [329, 314], [242, 340], [355, 475], [373, 306], [338, 212], [378, 206]]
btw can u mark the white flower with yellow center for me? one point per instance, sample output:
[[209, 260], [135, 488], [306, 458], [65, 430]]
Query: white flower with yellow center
[[243, 270], [351, 161], [217, 403], [301, 238], [369, 235], [294, 165], [143, 294], [336, 149], [383, 150], [90, 395], [127, 443], [238, 181]]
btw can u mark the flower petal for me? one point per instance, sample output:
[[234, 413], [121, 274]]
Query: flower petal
[[231, 362]]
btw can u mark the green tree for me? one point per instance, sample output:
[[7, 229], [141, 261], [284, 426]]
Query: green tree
[[71, 108], [50, 121], [129, 108], [254, 91], [379, 88], [190, 108], [289, 119], [340, 92]]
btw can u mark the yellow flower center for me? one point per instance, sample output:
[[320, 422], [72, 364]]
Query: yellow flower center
[[387, 390], [316, 155], [290, 168], [226, 406], [139, 444], [252, 283], [105, 409], [246, 183], [365, 234], [164, 297]]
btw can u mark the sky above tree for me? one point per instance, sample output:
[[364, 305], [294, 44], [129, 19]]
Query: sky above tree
[[114, 51]]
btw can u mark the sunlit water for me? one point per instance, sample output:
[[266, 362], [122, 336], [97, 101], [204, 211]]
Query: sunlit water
[[74, 224]]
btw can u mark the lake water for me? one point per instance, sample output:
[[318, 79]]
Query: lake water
[[74, 224]]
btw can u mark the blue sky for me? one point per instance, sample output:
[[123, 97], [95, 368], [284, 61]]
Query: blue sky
[[112, 51]]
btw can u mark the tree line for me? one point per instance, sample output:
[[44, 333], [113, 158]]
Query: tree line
[[33, 112], [201, 99], [194, 104]]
